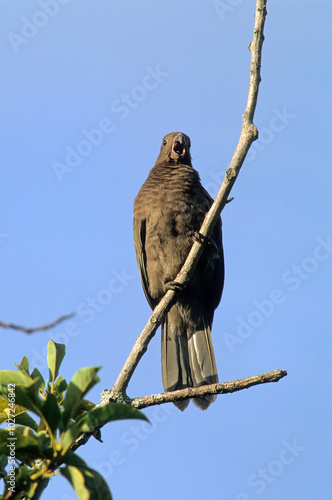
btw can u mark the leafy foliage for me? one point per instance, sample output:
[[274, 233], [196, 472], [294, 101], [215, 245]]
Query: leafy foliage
[[43, 446]]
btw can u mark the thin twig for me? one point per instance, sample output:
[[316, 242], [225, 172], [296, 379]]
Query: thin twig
[[249, 134], [37, 328]]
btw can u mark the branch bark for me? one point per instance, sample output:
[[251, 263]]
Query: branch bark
[[248, 135], [41, 328], [198, 392]]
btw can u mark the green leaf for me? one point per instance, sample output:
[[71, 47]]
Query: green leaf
[[3, 461], [42, 427], [22, 480], [76, 479], [25, 420], [32, 393], [3, 409], [24, 396], [88, 483], [11, 377], [97, 485], [71, 458], [55, 354], [103, 414], [51, 412], [69, 436], [10, 410], [45, 443], [36, 374], [26, 444], [84, 406], [24, 364], [81, 383], [27, 488], [23, 368], [37, 488], [60, 385]]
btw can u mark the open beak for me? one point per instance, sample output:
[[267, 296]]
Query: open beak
[[179, 147]]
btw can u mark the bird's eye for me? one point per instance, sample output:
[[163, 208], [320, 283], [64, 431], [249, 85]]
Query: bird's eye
[[164, 142]]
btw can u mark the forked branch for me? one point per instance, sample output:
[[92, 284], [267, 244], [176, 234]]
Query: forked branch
[[248, 135]]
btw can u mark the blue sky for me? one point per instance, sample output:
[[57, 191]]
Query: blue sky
[[88, 90]]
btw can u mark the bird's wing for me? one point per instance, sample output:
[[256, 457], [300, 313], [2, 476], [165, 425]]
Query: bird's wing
[[219, 273], [139, 242], [219, 266]]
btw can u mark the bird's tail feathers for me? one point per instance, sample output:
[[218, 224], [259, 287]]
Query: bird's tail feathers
[[187, 356], [202, 361], [175, 367]]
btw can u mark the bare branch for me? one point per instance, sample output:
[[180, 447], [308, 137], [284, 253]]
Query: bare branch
[[248, 135], [189, 392], [37, 328], [205, 390]]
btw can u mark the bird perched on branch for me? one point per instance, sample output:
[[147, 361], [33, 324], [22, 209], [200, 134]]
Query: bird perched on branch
[[168, 213]]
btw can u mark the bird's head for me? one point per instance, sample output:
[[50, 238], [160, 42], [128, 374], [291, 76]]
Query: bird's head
[[175, 148]]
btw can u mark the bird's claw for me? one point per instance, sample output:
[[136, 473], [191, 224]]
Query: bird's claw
[[174, 285], [201, 238]]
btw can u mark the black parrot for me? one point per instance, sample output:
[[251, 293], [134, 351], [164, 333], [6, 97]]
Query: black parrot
[[168, 213]]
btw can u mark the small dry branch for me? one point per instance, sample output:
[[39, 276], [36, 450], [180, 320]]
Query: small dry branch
[[198, 392], [41, 328]]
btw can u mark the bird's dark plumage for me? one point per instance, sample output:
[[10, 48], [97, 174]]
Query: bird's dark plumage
[[168, 210]]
